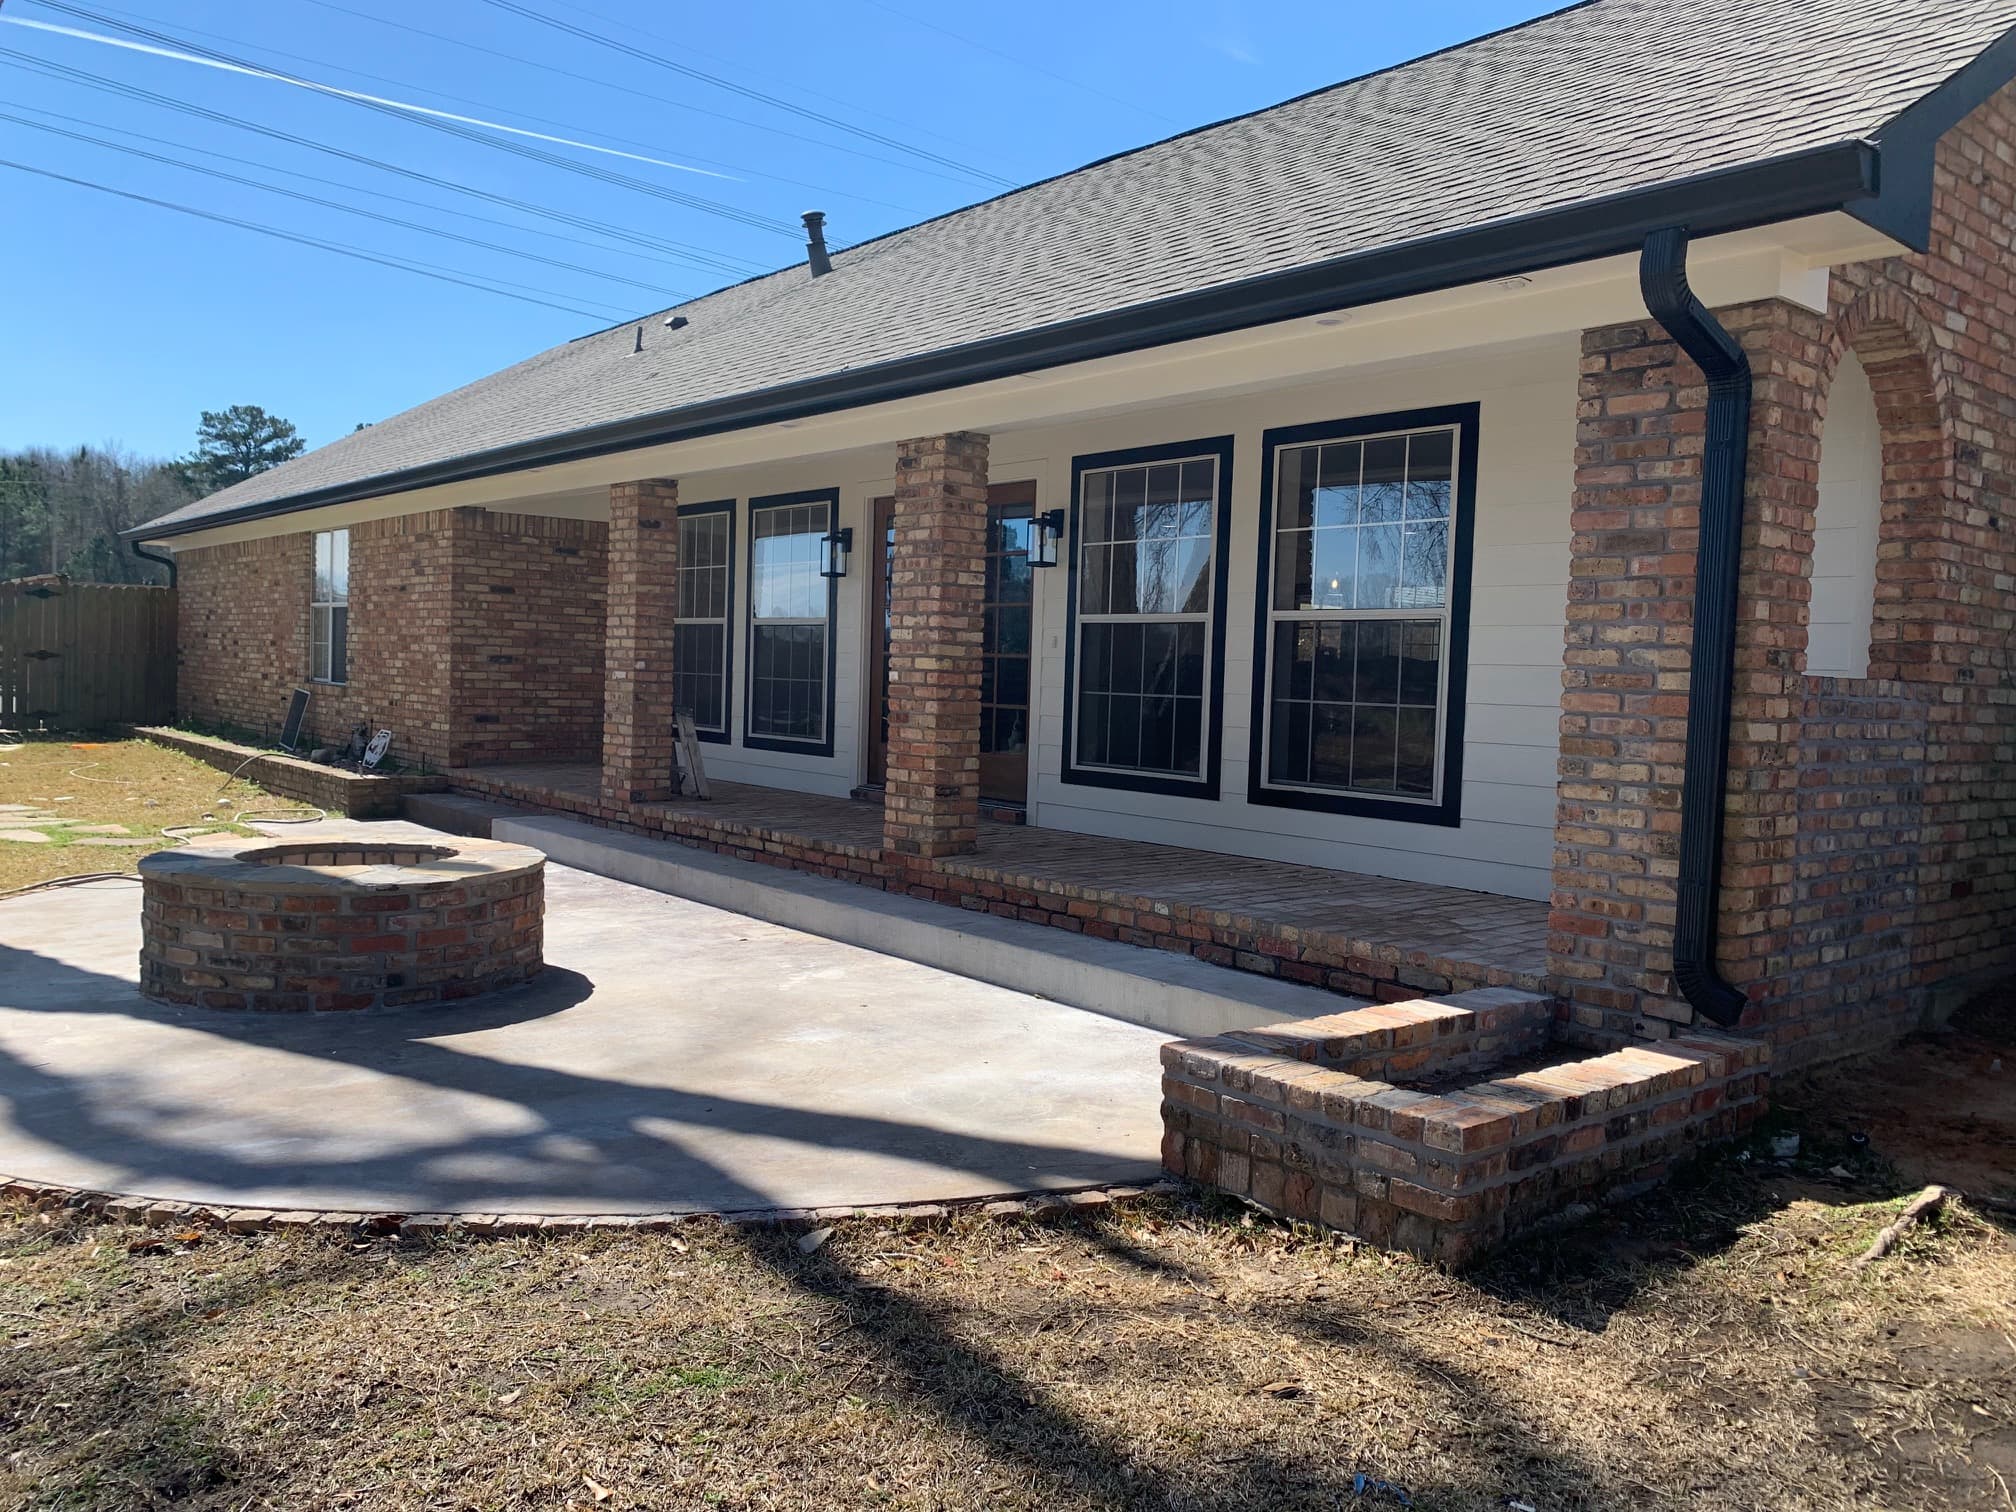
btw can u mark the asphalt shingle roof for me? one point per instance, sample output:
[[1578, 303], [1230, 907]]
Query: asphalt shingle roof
[[1612, 96]]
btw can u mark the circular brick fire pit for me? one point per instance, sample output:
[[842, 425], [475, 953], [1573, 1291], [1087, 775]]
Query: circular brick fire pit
[[331, 921]]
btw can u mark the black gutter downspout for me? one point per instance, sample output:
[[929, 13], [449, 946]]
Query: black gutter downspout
[[1704, 785], [167, 560]]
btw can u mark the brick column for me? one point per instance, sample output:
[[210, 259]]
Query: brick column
[[637, 706], [931, 797], [1626, 676]]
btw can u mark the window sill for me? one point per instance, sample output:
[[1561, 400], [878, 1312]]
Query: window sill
[[1448, 814], [1205, 788]]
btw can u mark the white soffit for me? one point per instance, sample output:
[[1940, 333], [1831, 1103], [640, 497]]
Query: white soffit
[[1787, 261]]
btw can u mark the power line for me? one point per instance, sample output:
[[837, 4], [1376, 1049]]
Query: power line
[[688, 50], [642, 94], [539, 155], [314, 178], [442, 94], [251, 71], [316, 199], [589, 34], [1048, 73], [400, 264], [700, 256]]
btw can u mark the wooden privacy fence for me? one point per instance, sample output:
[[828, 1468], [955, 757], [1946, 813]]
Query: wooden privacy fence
[[80, 656]]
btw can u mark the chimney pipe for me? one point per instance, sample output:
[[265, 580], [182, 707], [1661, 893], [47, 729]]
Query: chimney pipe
[[815, 243]]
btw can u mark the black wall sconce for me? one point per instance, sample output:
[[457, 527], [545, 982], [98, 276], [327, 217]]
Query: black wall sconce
[[839, 546], [1048, 536]]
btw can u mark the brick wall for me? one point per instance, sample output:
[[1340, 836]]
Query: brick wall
[[530, 599], [1312, 1120], [242, 630], [435, 599], [1837, 930]]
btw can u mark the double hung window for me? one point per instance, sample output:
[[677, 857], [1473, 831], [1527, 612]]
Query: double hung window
[[1364, 611]]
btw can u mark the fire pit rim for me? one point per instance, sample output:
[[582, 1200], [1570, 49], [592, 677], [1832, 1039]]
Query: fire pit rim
[[242, 861]]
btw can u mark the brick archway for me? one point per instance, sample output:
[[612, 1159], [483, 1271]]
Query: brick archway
[[1891, 338]]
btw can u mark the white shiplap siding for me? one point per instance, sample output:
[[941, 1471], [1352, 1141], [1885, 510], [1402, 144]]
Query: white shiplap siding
[[1526, 440]]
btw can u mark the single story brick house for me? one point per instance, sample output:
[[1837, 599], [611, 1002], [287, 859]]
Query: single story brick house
[[1536, 516]]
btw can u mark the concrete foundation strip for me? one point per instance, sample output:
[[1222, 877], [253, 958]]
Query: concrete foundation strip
[[160, 1213]]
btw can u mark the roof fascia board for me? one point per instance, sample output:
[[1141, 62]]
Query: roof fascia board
[[1909, 142], [1840, 176]]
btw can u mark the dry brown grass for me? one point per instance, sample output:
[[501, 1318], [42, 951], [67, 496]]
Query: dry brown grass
[[141, 787], [1703, 1349]]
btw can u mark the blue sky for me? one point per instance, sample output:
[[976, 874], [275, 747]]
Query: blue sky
[[120, 321]]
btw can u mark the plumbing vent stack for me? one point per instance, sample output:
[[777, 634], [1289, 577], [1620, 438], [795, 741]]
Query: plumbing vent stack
[[815, 243]]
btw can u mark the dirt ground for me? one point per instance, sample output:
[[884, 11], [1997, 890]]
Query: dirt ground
[[83, 806], [1704, 1348]]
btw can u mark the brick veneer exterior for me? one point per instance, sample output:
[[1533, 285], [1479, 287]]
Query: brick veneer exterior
[[475, 636], [530, 596], [1868, 846], [937, 593], [638, 703]]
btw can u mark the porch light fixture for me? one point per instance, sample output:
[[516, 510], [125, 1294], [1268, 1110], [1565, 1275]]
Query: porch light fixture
[[839, 545], [1044, 541]]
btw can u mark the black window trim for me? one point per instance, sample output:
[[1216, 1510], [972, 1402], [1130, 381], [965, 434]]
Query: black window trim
[[726, 734], [1447, 812], [751, 741], [1219, 448]]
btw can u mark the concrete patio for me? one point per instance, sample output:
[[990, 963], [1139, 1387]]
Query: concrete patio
[[672, 1058]]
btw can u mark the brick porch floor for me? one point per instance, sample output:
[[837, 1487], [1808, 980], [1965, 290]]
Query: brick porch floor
[[1368, 936]]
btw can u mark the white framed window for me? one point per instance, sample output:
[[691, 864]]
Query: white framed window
[[1363, 618], [790, 694], [701, 653], [1147, 635], [329, 609]]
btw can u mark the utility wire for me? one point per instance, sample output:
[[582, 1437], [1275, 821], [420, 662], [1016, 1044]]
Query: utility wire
[[1038, 68], [686, 70], [524, 115], [641, 94], [316, 199], [314, 178], [536, 154], [254, 72], [688, 50], [403, 265], [698, 255]]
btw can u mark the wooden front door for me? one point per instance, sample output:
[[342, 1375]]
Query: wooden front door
[[1006, 725]]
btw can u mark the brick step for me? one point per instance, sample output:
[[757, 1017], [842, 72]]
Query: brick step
[[1163, 990], [1307, 1119]]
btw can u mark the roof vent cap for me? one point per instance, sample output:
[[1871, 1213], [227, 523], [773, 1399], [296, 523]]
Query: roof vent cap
[[815, 243]]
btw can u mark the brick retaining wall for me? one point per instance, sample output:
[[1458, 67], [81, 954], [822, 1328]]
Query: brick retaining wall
[[1449, 1166], [349, 795]]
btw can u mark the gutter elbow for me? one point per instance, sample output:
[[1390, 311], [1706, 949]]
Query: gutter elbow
[[1707, 993]]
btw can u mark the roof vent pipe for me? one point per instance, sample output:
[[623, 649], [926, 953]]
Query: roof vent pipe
[[1704, 783], [815, 243]]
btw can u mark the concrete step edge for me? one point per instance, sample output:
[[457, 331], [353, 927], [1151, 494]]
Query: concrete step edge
[[1178, 994]]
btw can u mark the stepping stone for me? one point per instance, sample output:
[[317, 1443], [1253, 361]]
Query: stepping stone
[[25, 837], [99, 829], [15, 808], [129, 841]]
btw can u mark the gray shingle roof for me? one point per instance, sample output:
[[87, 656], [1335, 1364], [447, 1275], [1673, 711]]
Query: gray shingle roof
[[1612, 96]]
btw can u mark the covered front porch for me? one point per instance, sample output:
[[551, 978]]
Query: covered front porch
[[1372, 937]]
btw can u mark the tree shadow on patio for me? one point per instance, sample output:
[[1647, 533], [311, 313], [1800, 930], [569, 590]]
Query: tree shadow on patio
[[504, 1135]]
